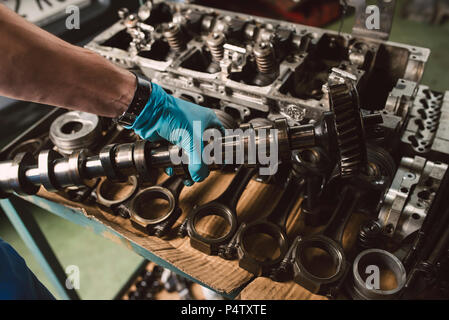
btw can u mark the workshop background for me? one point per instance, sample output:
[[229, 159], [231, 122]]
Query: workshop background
[[106, 266]]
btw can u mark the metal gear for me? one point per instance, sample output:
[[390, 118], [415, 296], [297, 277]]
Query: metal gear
[[350, 134]]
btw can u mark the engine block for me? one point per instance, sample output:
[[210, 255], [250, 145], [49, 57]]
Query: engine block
[[250, 66]]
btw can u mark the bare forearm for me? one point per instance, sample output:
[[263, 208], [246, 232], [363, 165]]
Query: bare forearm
[[37, 66]]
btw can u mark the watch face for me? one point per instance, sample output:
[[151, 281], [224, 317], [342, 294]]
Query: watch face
[[43, 12]]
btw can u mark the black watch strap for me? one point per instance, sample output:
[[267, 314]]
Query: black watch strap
[[141, 96]]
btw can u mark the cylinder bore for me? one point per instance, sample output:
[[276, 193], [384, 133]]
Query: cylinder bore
[[377, 275], [110, 193]]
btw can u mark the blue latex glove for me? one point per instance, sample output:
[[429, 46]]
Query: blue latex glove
[[17, 282], [170, 118]]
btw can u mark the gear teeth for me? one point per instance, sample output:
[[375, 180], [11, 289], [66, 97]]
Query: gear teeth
[[349, 129]]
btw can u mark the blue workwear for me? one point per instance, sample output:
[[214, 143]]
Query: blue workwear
[[180, 122], [17, 281]]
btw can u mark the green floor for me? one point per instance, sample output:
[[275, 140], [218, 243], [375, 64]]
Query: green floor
[[105, 266]]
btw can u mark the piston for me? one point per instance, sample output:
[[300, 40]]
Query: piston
[[75, 130]]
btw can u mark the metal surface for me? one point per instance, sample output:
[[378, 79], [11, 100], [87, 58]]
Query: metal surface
[[75, 130], [113, 196], [344, 102], [273, 225], [427, 131], [388, 264], [55, 172], [410, 196], [224, 206], [330, 240], [220, 58], [143, 204]]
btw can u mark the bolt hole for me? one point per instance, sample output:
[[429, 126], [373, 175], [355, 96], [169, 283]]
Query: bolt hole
[[425, 195]]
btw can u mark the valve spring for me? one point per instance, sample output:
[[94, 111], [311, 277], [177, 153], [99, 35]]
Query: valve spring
[[264, 54], [174, 37], [369, 235], [215, 42]]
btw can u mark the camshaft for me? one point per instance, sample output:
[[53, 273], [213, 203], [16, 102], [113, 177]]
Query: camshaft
[[54, 172]]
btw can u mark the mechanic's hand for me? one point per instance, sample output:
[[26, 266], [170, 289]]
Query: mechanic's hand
[[170, 118]]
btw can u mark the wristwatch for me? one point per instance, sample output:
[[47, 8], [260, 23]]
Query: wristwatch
[[141, 96]]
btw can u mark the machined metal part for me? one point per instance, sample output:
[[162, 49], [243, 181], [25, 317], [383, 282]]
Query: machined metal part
[[216, 42], [143, 202], [430, 265], [428, 247], [173, 34], [55, 171], [386, 263], [303, 58], [226, 120], [315, 167], [225, 207], [265, 60], [410, 196], [273, 225], [354, 102], [14, 174], [75, 130], [122, 160], [113, 195], [329, 241], [344, 102], [34, 146], [362, 191], [369, 235], [46, 169], [427, 130]]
